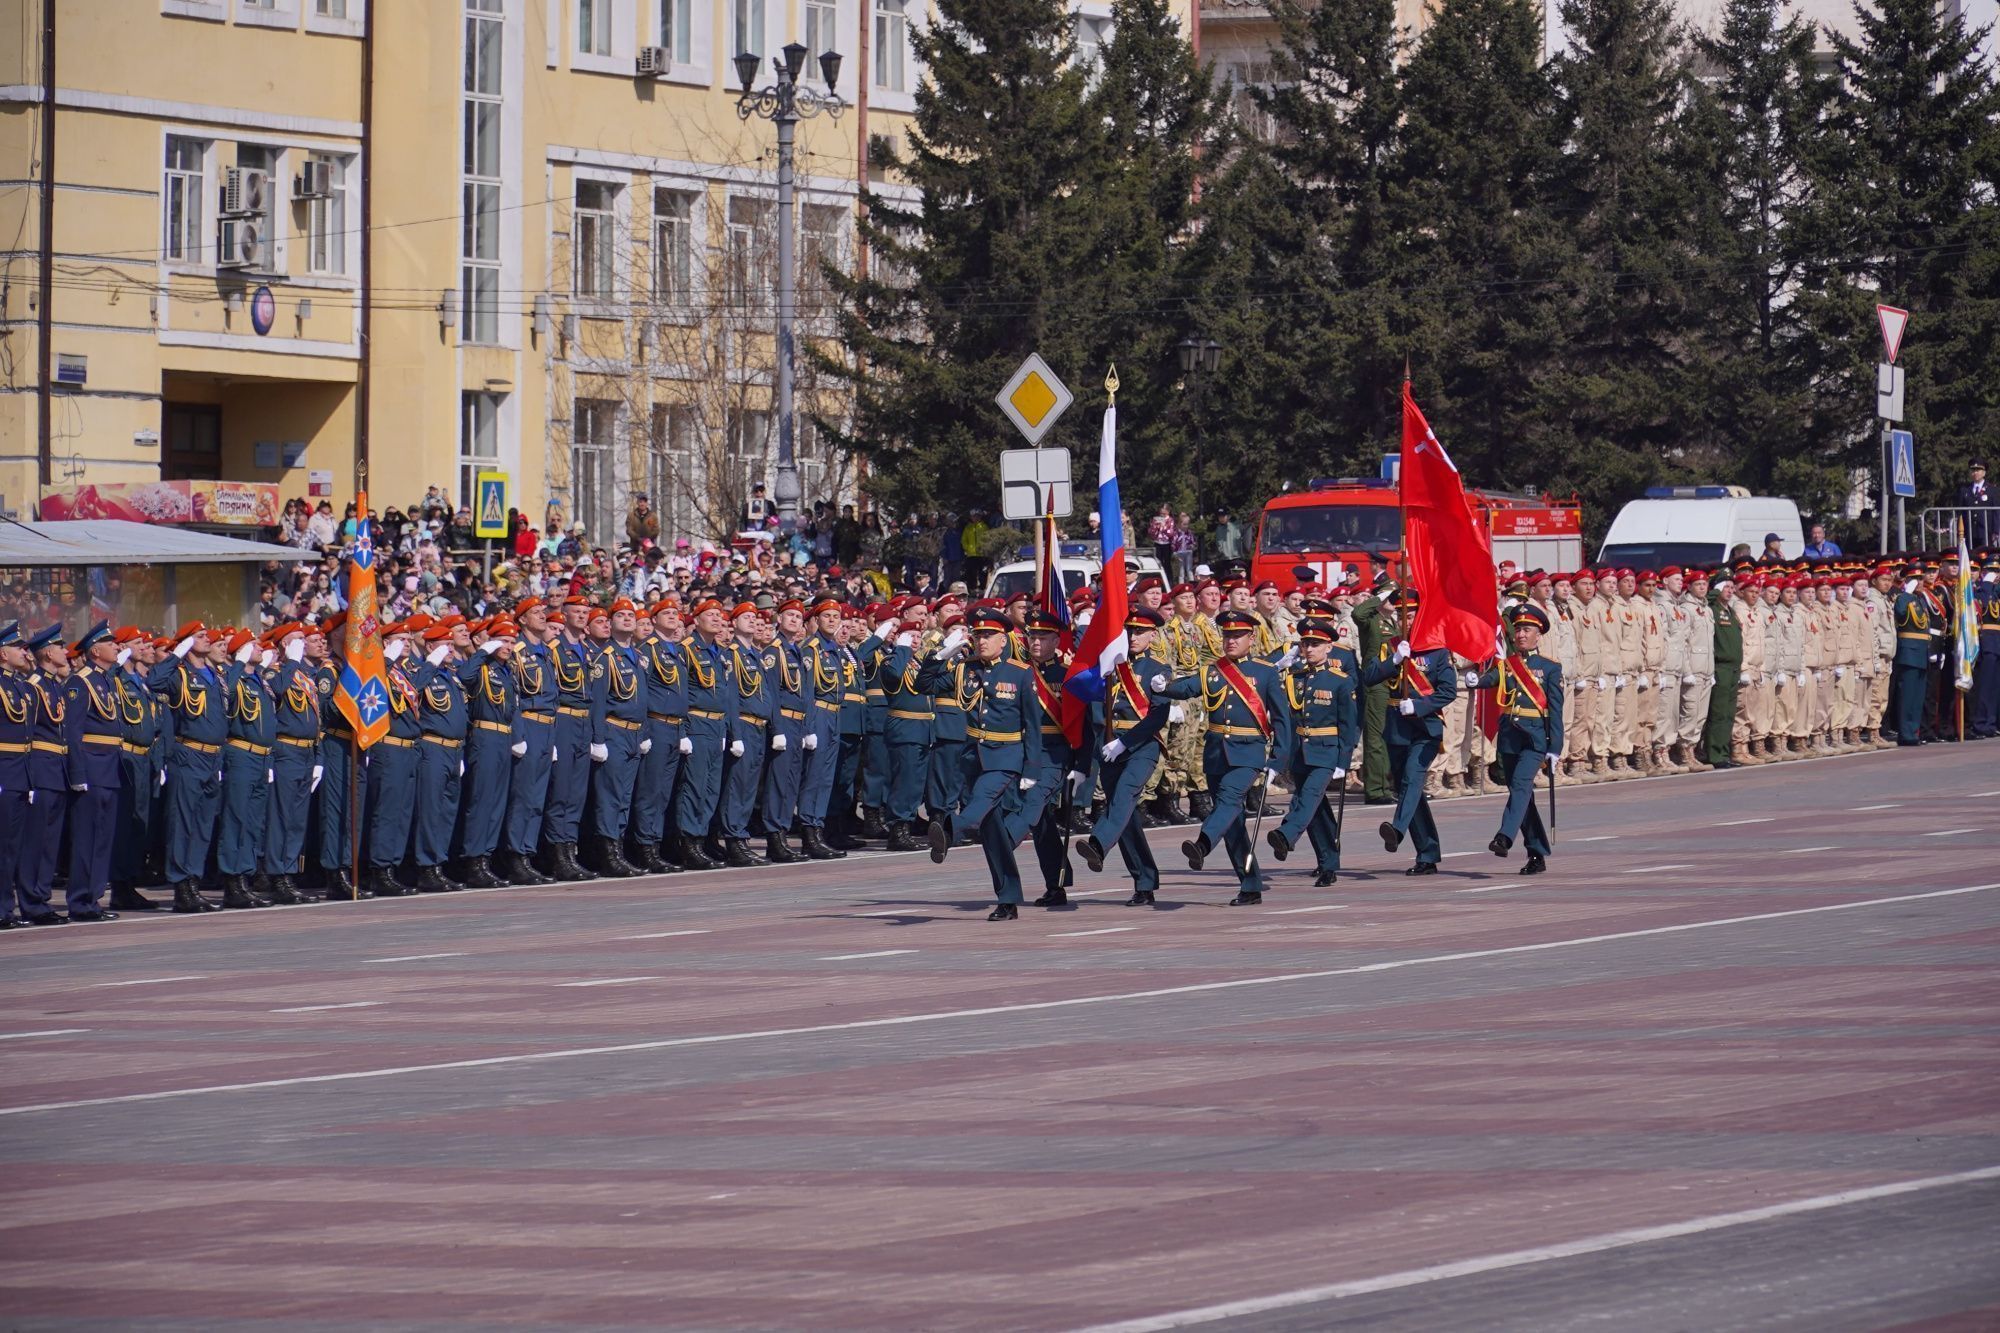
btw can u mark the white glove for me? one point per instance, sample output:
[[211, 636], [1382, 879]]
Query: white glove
[[1604, 682], [907, 639], [1156, 684], [319, 771], [1402, 650], [599, 752], [1111, 751], [79, 786], [555, 753], [519, 749], [295, 650], [461, 768], [1408, 708], [687, 745], [183, 648], [646, 745], [163, 777], [1271, 776], [245, 653], [124, 656], [1027, 784], [883, 630], [777, 743], [267, 659], [1075, 780], [1840, 673], [952, 643], [1470, 680], [810, 741], [1549, 760], [437, 655], [1291, 656], [1618, 682], [1339, 773], [491, 645], [31, 796], [1782, 678], [1175, 713], [736, 749], [270, 776], [396, 649]]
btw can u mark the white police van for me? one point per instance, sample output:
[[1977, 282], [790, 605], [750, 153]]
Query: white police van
[[1699, 525]]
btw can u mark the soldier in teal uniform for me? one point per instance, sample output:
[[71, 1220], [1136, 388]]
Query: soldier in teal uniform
[[246, 773], [535, 747], [140, 755], [296, 763], [570, 658], [192, 691], [17, 713], [792, 694], [749, 739], [906, 730], [1983, 721], [392, 767], [491, 751], [1421, 687], [1125, 729], [1913, 615], [1249, 728], [1001, 755], [826, 683], [710, 716], [334, 808], [944, 775], [618, 740], [665, 673], [93, 743], [441, 717], [872, 785], [1322, 689], [1040, 815], [1531, 732], [862, 708]]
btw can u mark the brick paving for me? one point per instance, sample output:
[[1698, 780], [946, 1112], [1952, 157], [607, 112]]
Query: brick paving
[[835, 1097]]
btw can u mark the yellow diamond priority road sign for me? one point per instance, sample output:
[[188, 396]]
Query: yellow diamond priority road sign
[[1034, 398]]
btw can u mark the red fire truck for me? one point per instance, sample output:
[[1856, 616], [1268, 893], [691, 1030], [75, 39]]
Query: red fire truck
[[1336, 524]]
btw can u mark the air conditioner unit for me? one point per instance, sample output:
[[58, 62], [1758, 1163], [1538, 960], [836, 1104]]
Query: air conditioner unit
[[315, 179], [654, 62], [245, 191], [240, 243]]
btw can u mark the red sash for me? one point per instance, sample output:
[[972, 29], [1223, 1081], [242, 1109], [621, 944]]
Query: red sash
[[1133, 690], [1526, 681], [1247, 692], [1051, 706], [1414, 677]]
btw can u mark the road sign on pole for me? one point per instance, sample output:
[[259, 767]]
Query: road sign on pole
[[1893, 320], [1902, 465], [1889, 391], [1034, 482], [489, 519], [1033, 398]]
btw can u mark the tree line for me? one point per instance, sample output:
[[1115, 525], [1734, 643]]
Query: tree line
[[1651, 258]]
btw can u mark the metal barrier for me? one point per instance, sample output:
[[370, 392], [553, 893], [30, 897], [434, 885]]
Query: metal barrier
[[1938, 528]]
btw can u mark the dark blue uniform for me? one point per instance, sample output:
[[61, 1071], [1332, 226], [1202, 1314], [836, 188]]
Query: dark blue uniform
[[569, 780], [1134, 713], [94, 762], [945, 778], [872, 790], [339, 770], [141, 754], [1040, 813], [906, 731], [1238, 747], [1911, 663], [246, 772], [17, 711], [48, 792], [743, 774], [791, 722], [711, 715], [1529, 733], [193, 695], [441, 717], [1986, 667], [1413, 739], [618, 723], [665, 673], [825, 665], [1326, 717], [862, 706], [392, 783], [996, 704], [490, 698], [295, 758], [536, 698]]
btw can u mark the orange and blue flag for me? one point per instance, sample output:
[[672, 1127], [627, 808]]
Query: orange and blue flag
[[363, 692]]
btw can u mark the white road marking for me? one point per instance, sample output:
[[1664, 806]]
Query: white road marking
[[413, 957], [52, 1032], [1986, 793], [1489, 1263], [147, 981], [607, 981], [1490, 888], [1449, 855], [949, 1015], [1094, 893], [1647, 870], [663, 935], [1101, 930], [1859, 809], [1830, 847], [321, 1008], [894, 911], [1602, 837], [1732, 823], [1294, 911], [1949, 832], [850, 957]]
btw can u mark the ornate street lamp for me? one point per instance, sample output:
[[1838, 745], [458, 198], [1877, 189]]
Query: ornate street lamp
[[1200, 357]]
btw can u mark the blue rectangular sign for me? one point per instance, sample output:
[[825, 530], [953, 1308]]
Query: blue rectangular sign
[[1903, 464]]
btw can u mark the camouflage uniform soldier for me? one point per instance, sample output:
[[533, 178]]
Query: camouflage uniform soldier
[[1188, 643]]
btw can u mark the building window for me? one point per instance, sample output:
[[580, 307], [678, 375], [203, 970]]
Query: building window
[[192, 449], [478, 443], [673, 246], [821, 228], [677, 30], [182, 198], [752, 265], [1255, 121], [326, 221], [593, 26], [892, 40], [749, 434], [1093, 34], [822, 32], [479, 245], [259, 166], [590, 466], [595, 234], [670, 464], [330, 9], [746, 27]]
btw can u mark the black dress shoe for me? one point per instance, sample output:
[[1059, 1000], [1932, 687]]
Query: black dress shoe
[[1092, 854], [1501, 844], [1423, 868], [1535, 865], [1004, 912], [1281, 846], [1196, 850], [1247, 898], [939, 837], [45, 919], [900, 839], [1053, 898], [1324, 879], [9, 923], [1392, 837], [1200, 806], [125, 898], [1140, 898], [92, 915]]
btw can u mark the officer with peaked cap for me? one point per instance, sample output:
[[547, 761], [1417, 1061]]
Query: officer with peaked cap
[[193, 692], [1421, 686], [141, 755], [1249, 732], [94, 743], [1125, 730], [17, 712], [1530, 699], [1322, 688], [247, 776], [296, 765]]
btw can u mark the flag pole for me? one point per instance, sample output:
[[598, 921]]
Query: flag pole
[[354, 794]]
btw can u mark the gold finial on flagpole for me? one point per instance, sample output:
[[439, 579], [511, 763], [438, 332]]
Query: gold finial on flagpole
[[1111, 385]]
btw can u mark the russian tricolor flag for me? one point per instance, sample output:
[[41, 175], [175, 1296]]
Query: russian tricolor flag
[[1104, 643]]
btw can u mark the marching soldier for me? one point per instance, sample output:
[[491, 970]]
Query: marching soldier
[[1040, 815], [246, 774], [618, 740], [1249, 724], [1321, 689], [750, 737], [537, 746], [1138, 697], [873, 792], [1530, 738], [665, 673], [1422, 686], [862, 707], [93, 743], [711, 714], [492, 748], [944, 783], [296, 763], [996, 697]]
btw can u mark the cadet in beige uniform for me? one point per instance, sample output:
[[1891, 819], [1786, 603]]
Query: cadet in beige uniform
[[1785, 647], [1597, 657], [1818, 661], [1847, 629], [1697, 670], [1670, 615], [1882, 653], [1652, 661], [1628, 634], [1552, 595]]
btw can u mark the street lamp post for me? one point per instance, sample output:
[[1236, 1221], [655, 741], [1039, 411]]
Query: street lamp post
[[785, 103], [1199, 357]]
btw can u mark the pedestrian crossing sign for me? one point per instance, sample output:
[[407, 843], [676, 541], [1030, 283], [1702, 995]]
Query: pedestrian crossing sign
[[489, 518], [1903, 464]]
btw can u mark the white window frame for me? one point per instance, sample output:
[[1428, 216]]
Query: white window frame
[[617, 220], [597, 527], [672, 466], [754, 10], [760, 286], [880, 96], [329, 232], [209, 11], [354, 24], [846, 24], [267, 14], [479, 321], [683, 305], [471, 461], [816, 298], [699, 67], [618, 29], [1094, 12], [204, 211]]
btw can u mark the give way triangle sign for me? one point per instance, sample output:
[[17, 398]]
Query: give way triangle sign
[[1893, 321]]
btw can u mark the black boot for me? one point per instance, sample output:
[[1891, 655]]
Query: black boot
[[236, 895], [381, 882], [779, 852], [939, 836], [900, 839], [1281, 846], [1392, 837], [816, 846], [430, 879], [564, 866], [646, 856], [188, 899], [663, 857], [839, 836], [1056, 897], [285, 892], [1004, 912], [1324, 879], [1247, 898], [477, 873], [693, 857], [736, 853], [340, 885], [871, 823], [610, 861], [1535, 865], [520, 869], [1140, 898], [1196, 850], [1092, 854], [1170, 810], [1200, 806], [125, 898], [1501, 844]]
